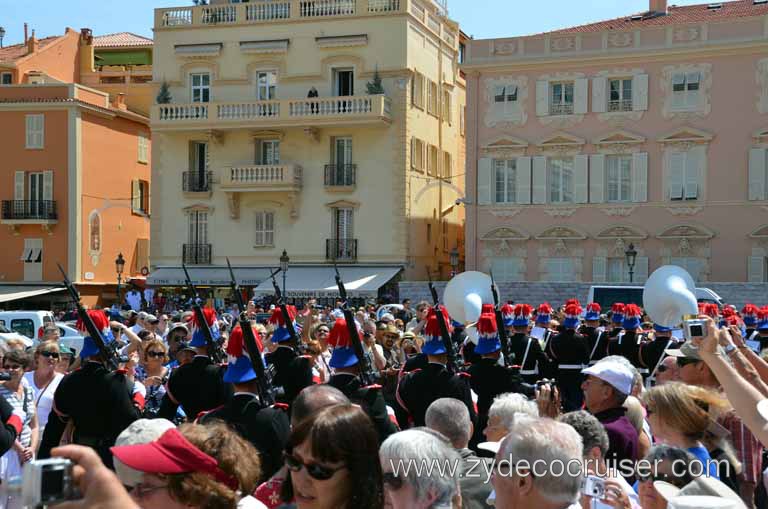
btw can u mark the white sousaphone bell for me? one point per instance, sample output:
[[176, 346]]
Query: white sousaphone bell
[[464, 297], [669, 297]]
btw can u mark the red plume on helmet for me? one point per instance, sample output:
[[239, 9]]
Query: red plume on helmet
[[632, 310], [728, 311], [762, 313], [750, 310], [210, 317], [709, 309], [618, 308], [507, 310], [236, 342], [277, 315], [523, 310], [573, 310], [487, 308], [486, 325], [572, 301], [594, 307], [98, 317], [545, 309], [339, 335], [432, 327]]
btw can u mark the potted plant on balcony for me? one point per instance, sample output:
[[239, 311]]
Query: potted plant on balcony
[[375, 87], [164, 95]]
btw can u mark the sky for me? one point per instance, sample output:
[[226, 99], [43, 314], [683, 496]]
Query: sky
[[478, 18]]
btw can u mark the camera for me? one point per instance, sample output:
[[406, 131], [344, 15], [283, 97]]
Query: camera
[[44, 482], [593, 487], [695, 328]]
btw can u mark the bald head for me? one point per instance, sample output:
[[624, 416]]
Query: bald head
[[450, 417], [314, 398]]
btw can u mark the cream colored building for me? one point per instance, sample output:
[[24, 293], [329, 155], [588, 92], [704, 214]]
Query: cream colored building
[[246, 165]]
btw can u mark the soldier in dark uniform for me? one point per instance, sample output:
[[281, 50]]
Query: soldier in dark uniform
[[749, 316], [526, 351], [197, 386], [419, 388], [651, 353], [597, 337], [293, 371], [629, 341], [571, 353], [347, 379], [543, 319], [266, 427], [617, 319], [100, 403]]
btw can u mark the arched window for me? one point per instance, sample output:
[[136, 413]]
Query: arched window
[[94, 227]]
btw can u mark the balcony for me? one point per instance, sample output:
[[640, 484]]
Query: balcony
[[622, 105], [341, 250], [29, 212], [262, 177], [197, 254], [317, 112], [197, 181], [561, 109], [340, 175]]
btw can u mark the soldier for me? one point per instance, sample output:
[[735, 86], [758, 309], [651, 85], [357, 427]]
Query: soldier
[[651, 354], [617, 319], [347, 379], [543, 318], [419, 388], [571, 353], [749, 315], [628, 342], [597, 338], [293, 371], [526, 350], [197, 386], [99, 404], [266, 427]]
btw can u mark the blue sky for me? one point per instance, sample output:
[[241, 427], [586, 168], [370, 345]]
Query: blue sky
[[478, 18]]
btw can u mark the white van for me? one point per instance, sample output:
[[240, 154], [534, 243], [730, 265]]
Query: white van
[[607, 295], [26, 323]]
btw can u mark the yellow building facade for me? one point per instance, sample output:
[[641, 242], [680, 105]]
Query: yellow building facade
[[277, 136]]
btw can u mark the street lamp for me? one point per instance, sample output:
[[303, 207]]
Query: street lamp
[[631, 255], [454, 261], [284, 266], [119, 267], [2, 36]]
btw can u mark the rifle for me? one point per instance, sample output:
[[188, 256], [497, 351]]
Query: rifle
[[367, 375], [214, 349], [108, 353], [284, 311], [264, 378], [500, 323], [450, 351]]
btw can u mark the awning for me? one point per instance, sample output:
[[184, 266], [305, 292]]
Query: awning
[[207, 276], [319, 282], [17, 292]]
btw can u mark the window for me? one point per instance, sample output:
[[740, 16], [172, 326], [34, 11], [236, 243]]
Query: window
[[200, 84], [620, 95], [508, 268], [683, 175], [560, 269], [690, 264], [197, 232], [140, 197], [505, 97], [24, 326], [33, 260], [6, 78], [342, 151], [35, 131], [433, 162], [505, 180], [685, 90], [462, 119], [417, 154], [618, 176], [560, 180], [143, 148], [265, 229], [268, 152], [342, 223], [447, 106], [447, 166], [432, 98], [417, 90], [561, 98], [94, 225], [344, 82], [266, 85], [615, 272]]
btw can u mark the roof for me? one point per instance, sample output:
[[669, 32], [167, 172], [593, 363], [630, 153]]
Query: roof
[[677, 15], [121, 40], [17, 51]]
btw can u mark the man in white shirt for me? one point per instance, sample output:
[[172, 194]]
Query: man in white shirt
[[140, 322], [133, 298]]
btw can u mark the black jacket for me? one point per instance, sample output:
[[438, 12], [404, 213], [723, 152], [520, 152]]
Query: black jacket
[[369, 398], [292, 373], [197, 387], [419, 388]]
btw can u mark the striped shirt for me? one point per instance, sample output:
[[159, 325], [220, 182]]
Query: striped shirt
[[23, 407]]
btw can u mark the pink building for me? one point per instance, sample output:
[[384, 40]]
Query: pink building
[[650, 129]]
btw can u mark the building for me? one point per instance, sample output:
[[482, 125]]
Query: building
[[279, 137], [75, 173], [648, 130]]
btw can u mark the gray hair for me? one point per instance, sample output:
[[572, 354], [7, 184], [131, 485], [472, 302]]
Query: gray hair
[[421, 449], [450, 417], [506, 405], [592, 432], [547, 444]]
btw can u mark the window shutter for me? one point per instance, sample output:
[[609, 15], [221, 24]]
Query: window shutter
[[259, 228], [18, 186], [640, 92], [757, 174], [598, 269], [484, 173], [693, 167], [539, 188], [580, 98], [597, 178], [580, 178], [48, 185], [640, 177], [144, 186], [523, 184], [641, 269], [542, 98], [135, 196], [756, 269], [675, 168], [269, 228], [30, 126], [599, 100]]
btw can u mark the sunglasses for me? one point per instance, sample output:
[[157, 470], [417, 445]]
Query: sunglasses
[[392, 481], [660, 476], [49, 355], [315, 470], [156, 355], [12, 368], [684, 361]]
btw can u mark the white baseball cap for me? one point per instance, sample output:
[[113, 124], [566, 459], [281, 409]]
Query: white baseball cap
[[142, 431], [700, 488], [613, 373]]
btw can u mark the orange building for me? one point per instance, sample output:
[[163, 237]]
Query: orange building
[[74, 177]]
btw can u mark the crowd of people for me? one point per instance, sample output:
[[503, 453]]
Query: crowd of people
[[497, 412]]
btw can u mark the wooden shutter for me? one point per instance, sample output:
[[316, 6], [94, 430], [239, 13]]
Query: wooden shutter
[[675, 169], [641, 269], [757, 174], [523, 180], [269, 228], [539, 188], [144, 188], [693, 171], [542, 98], [484, 175], [18, 185], [597, 178], [756, 269], [598, 269], [640, 177], [640, 92], [580, 178], [259, 228], [599, 100], [135, 196], [48, 185], [580, 97]]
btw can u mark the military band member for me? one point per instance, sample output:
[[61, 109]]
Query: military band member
[[526, 350], [543, 319], [651, 353], [749, 315], [597, 337], [293, 371], [628, 342], [617, 318], [571, 353]]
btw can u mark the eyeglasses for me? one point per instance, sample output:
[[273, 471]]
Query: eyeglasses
[[394, 482], [141, 490], [156, 355], [48, 354], [315, 470], [684, 361], [11, 367], [661, 476]]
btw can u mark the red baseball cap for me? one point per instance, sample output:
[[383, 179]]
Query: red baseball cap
[[171, 454]]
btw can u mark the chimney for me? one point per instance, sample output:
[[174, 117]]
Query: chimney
[[32, 45], [26, 36], [658, 6], [118, 102]]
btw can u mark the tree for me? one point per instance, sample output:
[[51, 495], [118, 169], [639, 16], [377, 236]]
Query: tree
[[164, 96], [375, 87]]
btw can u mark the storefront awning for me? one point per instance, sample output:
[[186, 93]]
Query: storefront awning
[[207, 276], [10, 293], [319, 282]]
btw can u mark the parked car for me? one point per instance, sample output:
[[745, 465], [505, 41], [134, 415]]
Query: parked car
[[70, 336], [606, 295], [26, 323], [6, 334]]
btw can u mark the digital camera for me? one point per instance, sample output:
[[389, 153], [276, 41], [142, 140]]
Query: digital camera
[[47, 482], [593, 487], [695, 328]]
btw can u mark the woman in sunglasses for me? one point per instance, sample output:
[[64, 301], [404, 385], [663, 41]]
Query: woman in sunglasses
[[44, 380], [333, 461], [664, 457], [153, 373]]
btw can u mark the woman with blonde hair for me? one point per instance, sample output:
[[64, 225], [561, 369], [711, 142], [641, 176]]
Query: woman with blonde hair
[[636, 416], [680, 415], [153, 373]]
